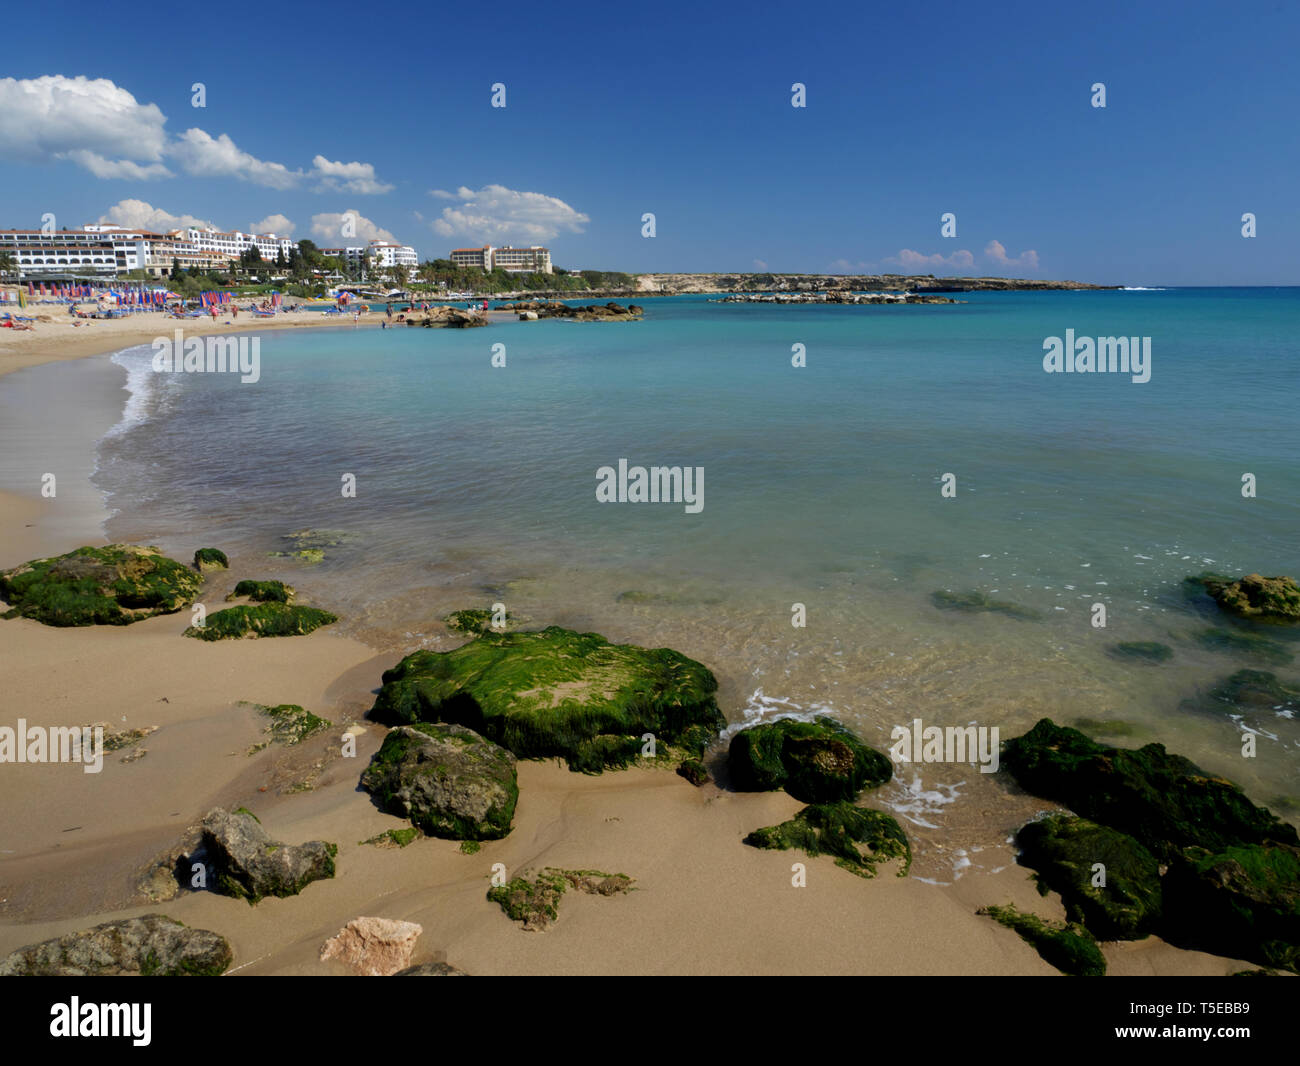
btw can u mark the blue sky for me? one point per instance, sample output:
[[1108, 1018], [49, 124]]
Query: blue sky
[[314, 111]]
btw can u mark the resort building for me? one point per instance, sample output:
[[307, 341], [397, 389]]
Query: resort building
[[389, 254], [531, 260], [90, 250], [234, 244]]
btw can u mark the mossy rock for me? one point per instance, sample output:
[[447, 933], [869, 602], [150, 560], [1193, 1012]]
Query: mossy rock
[[290, 724], [1064, 852], [1070, 947], [975, 601], [152, 945], [210, 559], [1261, 599], [694, 771], [558, 693], [1245, 643], [535, 901], [261, 620], [1147, 651], [306, 555], [815, 762], [247, 864], [473, 620], [1257, 689], [1165, 801], [1241, 901], [114, 585], [394, 838], [449, 781], [263, 591], [857, 837]]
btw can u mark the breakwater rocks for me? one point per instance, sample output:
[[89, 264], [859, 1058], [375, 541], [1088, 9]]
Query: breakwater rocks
[[833, 297], [449, 317], [609, 312]]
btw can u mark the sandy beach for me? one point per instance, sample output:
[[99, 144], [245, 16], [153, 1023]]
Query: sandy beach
[[703, 902]]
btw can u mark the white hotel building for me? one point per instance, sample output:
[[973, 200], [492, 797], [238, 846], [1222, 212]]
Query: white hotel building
[[532, 260], [389, 254]]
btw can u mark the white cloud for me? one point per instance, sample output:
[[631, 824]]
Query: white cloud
[[347, 177], [1027, 260], [760, 264], [843, 266], [277, 224], [910, 260], [92, 122], [207, 157], [136, 214], [328, 229], [497, 214]]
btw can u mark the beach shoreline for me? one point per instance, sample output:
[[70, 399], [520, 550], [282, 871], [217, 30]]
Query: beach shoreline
[[705, 903]]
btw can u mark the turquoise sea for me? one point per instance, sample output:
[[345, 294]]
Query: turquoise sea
[[822, 487]]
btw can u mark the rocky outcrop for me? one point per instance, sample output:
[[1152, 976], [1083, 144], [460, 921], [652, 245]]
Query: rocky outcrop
[[816, 762], [857, 837], [559, 693], [607, 312], [261, 620], [149, 946], [243, 861], [1069, 947], [114, 585], [448, 780], [834, 297], [263, 591], [1107, 880], [1261, 599], [450, 317], [535, 901], [210, 559], [373, 947], [669, 284]]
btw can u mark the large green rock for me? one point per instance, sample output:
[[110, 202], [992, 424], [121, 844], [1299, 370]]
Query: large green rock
[[558, 693], [1070, 947], [1263, 599], [1066, 851], [1166, 801], [857, 837], [1240, 901], [816, 762], [261, 620], [114, 585], [263, 591], [446, 779]]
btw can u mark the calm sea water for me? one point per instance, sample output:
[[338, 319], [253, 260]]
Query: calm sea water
[[822, 487]]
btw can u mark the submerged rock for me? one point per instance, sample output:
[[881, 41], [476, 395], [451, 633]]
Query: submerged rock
[[558, 693], [1149, 651], [114, 585], [473, 620], [373, 947], [246, 863], [1241, 901], [816, 761], [975, 601], [1066, 851], [1070, 948], [1264, 599], [210, 559], [1247, 643], [263, 591], [535, 902], [838, 829], [261, 620], [150, 946], [448, 780], [1165, 801]]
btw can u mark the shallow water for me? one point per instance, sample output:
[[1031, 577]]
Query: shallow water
[[822, 487]]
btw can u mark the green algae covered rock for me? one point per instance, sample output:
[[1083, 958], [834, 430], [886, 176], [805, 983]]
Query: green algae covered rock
[[114, 585], [1245, 642], [151, 945], [816, 762], [857, 837], [248, 864], [448, 780], [558, 693], [1066, 851], [535, 901], [263, 591], [1145, 651], [1165, 801], [472, 620], [1242, 901], [694, 771], [976, 602], [1070, 948], [290, 724], [210, 559], [1262, 599], [261, 620]]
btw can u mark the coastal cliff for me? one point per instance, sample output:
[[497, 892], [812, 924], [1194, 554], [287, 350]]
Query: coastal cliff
[[671, 284]]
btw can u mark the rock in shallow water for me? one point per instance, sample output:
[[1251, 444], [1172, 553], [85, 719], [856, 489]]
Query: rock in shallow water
[[1265, 599], [448, 780], [153, 945], [817, 762]]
